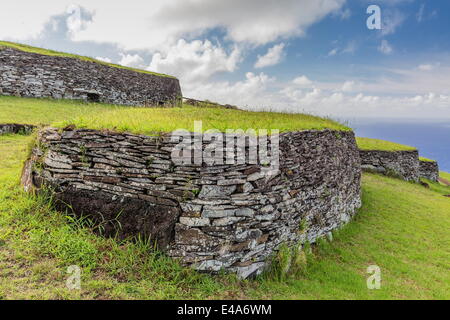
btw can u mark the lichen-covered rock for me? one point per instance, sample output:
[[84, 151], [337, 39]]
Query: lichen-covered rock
[[230, 217], [28, 74]]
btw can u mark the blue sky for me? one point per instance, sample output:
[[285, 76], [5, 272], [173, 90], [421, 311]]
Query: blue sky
[[316, 56]]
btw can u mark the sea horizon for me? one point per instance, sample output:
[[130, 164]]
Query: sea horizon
[[430, 137]]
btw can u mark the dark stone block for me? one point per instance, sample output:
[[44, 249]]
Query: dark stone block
[[122, 216]]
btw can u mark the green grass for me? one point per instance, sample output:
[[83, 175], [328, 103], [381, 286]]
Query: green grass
[[381, 145], [45, 111], [426, 159], [445, 175], [402, 228], [61, 113], [47, 52]]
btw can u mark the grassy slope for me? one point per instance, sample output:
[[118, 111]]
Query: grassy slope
[[376, 144], [445, 175], [150, 120], [403, 228], [47, 52]]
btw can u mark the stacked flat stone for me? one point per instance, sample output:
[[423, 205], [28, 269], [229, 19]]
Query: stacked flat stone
[[404, 164], [215, 217], [28, 74], [429, 170]]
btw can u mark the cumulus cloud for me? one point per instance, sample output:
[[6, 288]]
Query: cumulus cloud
[[78, 18], [272, 57], [131, 60], [253, 92], [138, 24], [392, 96], [195, 61], [302, 81], [348, 86]]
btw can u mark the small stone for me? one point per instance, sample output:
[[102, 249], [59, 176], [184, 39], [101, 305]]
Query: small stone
[[250, 271], [226, 221], [189, 207], [209, 265], [212, 192], [194, 222], [245, 212], [267, 209], [230, 182], [211, 213], [255, 176], [247, 187]]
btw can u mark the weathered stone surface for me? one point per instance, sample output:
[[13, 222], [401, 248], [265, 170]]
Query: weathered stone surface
[[134, 216], [28, 74], [15, 128], [403, 164], [429, 170], [216, 192], [229, 217]]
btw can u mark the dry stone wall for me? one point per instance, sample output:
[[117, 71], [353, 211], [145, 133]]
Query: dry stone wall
[[429, 170], [15, 128], [34, 75], [210, 217], [404, 164]]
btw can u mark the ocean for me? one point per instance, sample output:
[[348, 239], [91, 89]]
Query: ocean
[[431, 138]]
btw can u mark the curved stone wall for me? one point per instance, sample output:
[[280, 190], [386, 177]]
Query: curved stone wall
[[404, 164], [210, 217], [429, 170], [34, 75]]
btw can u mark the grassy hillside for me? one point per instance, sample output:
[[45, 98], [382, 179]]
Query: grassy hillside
[[382, 145], [47, 52], [445, 175], [402, 228], [61, 113]]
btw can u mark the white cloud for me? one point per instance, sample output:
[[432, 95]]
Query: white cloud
[[391, 20], [348, 86], [428, 66], [302, 81], [104, 59], [195, 61], [253, 92], [131, 60], [385, 47], [272, 57], [78, 18], [139, 24], [333, 52], [407, 92], [23, 19], [350, 48]]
